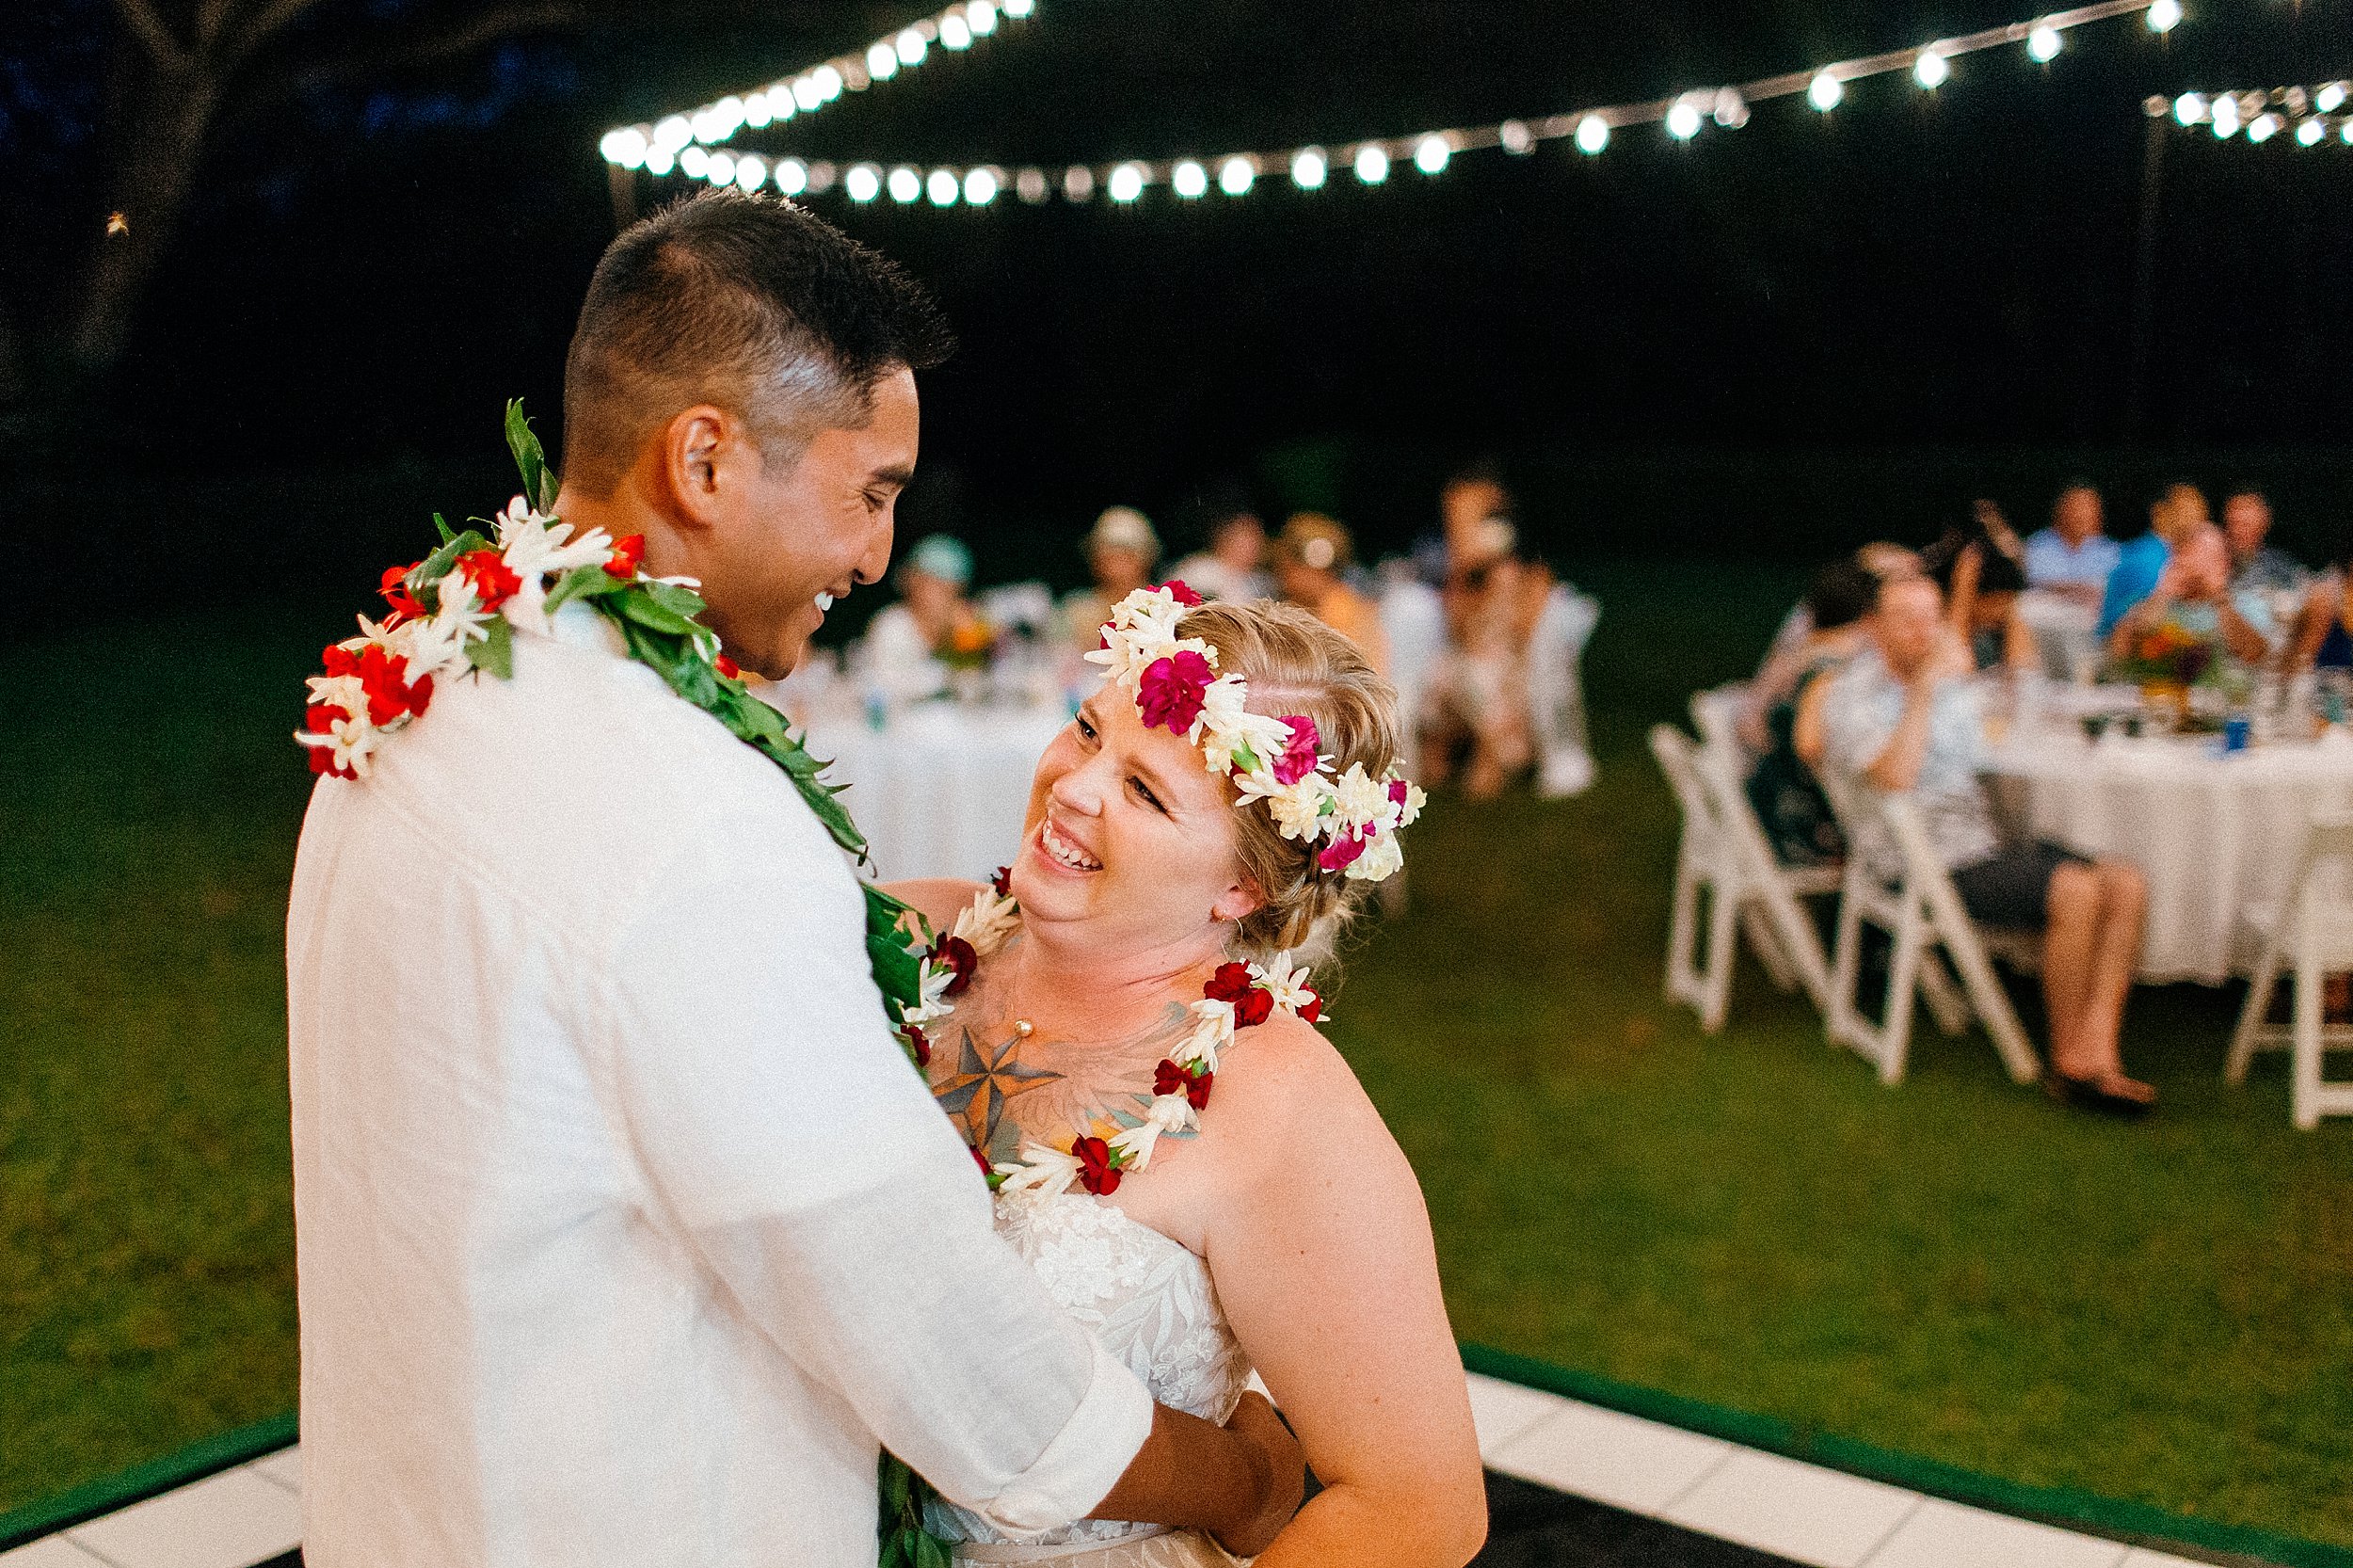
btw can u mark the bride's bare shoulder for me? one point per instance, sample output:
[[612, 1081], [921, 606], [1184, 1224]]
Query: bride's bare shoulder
[[938, 900], [1281, 1077]]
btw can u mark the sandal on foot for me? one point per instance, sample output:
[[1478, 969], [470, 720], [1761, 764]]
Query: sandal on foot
[[2109, 1093]]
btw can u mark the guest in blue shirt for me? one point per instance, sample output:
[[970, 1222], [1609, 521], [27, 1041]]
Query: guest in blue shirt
[[2175, 515], [2073, 557]]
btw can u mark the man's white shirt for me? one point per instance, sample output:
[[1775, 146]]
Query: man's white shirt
[[624, 1229]]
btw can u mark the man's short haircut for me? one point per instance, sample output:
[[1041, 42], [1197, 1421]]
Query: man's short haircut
[[2247, 489], [1842, 593], [2070, 485], [745, 302]]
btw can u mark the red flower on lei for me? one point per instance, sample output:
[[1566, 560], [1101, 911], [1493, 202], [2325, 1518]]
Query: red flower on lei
[[1096, 1172], [1176, 590], [629, 551], [396, 590], [1298, 754], [1170, 1078], [955, 955], [1002, 881], [727, 666], [1173, 690], [918, 1043], [1232, 983], [494, 581]]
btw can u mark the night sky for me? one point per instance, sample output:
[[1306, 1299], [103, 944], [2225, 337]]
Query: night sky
[[371, 269]]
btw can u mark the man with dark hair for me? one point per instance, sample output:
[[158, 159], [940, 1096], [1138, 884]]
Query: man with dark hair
[[625, 1232], [2257, 565], [2074, 556]]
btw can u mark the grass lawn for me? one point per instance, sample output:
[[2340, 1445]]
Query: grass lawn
[[1954, 1268]]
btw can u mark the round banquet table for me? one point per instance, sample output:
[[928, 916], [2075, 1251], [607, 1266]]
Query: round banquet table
[[941, 789], [2215, 834]]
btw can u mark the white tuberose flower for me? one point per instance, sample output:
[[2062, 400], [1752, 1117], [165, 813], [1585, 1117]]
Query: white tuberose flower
[[1042, 1173]]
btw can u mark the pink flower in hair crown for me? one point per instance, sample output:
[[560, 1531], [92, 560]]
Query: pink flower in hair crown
[[1299, 755], [1175, 589], [1172, 691]]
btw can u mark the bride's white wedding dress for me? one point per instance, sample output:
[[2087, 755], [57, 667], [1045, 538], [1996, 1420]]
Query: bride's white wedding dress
[[1151, 1303]]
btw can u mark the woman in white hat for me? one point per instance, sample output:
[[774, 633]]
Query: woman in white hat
[[1120, 550]]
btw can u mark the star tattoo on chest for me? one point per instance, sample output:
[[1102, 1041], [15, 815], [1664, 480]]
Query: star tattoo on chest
[[975, 1093]]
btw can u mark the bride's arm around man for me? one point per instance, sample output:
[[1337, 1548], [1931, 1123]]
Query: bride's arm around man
[[624, 1231]]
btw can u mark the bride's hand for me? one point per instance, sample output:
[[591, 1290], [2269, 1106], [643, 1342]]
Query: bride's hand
[[1285, 1476]]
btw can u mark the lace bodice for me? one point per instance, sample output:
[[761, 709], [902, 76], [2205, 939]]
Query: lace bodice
[[1147, 1299]]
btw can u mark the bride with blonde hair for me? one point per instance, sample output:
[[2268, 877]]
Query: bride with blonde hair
[[1122, 1029]]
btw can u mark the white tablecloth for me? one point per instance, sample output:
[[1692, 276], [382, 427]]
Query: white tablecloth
[[941, 789], [2214, 834]]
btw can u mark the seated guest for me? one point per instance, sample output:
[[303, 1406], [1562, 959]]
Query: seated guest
[[1778, 671], [2258, 567], [1468, 497], [1233, 568], [1782, 786], [1478, 710], [2140, 561], [1121, 550], [2193, 597], [911, 642], [2074, 556], [2325, 638], [1904, 718], [1982, 569], [1312, 557]]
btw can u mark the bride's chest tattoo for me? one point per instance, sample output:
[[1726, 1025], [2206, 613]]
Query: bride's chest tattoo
[[1002, 1086]]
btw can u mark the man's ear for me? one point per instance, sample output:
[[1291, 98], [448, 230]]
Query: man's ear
[[696, 447]]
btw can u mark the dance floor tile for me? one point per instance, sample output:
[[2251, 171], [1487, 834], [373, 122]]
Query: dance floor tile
[[1616, 1459], [285, 1467], [2142, 1557], [1801, 1512], [231, 1520], [1531, 1527], [50, 1551], [1503, 1411], [1945, 1535]]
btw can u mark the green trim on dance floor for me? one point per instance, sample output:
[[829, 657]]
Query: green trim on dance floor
[[110, 1494], [2136, 1524]]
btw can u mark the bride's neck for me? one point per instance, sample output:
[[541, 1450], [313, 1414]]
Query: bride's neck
[[1062, 973]]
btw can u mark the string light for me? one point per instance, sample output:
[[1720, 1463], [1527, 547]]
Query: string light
[[2310, 113], [806, 92], [793, 177], [682, 140]]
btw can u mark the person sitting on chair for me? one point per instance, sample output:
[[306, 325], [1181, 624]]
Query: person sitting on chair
[[1782, 786], [1904, 719]]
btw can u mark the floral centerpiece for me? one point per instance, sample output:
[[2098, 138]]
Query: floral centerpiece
[[968, 645]]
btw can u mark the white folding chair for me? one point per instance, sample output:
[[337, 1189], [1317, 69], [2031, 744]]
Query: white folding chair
[[2312, 929], [1724, 855], [1414, 620], [1774, 918], [1556, 691], [1923, 914]]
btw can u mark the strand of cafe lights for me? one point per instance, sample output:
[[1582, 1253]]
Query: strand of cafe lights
[[684, 144], [2313, 114]]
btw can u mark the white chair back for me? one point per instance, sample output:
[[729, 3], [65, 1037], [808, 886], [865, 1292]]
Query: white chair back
[[2312, 930], [1556, 689], [1413, 621]]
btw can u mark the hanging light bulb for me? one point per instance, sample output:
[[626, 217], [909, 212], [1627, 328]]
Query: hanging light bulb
[[821, 177], [2190, 108], [2044, 44], [827, 82], [1372, 163], [1018, 8], [1516, 138], [981, 16], [2263, 127], [694, 161], [2310, 133], [1683, 121], [2345, 134], [954, 32], [2330, 99], [625, 148], [1593, 135], [2165, 15], [673, 134], [755, 110], [720, 170], [780, 103], [1932, 69], [1127, 182], [1077, 183], [863, 182], [1310, 169], [793, 177], [1731, 109], [1825, 91], [909, 46], [943, 187], [2225, 117], [1237, 174], [751, 171], [1432, 152], [1188, 180], [659, 161], [808, 94], [981, 186], [881, 64], [1030, 185], [906, 185]]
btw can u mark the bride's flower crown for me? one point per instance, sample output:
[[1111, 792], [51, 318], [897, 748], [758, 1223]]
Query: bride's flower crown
[[1176, 687]]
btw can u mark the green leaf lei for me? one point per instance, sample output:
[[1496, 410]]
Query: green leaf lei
[[658, 621]]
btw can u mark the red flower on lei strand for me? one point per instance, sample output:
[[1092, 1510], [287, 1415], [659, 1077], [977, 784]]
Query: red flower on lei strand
[[396, 590], [1191, 1082], [1098, 1171], [1173, 690], [494, 581], [727, 666], [1002, 881], [1252, 1003], [918, 1045], [628, 552], [955, 955]]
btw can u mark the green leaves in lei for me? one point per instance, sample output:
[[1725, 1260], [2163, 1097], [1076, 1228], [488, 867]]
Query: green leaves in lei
[[658, 621]]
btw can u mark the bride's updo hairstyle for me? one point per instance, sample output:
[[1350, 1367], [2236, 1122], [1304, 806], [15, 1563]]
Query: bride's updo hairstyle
[[1295, 664]]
